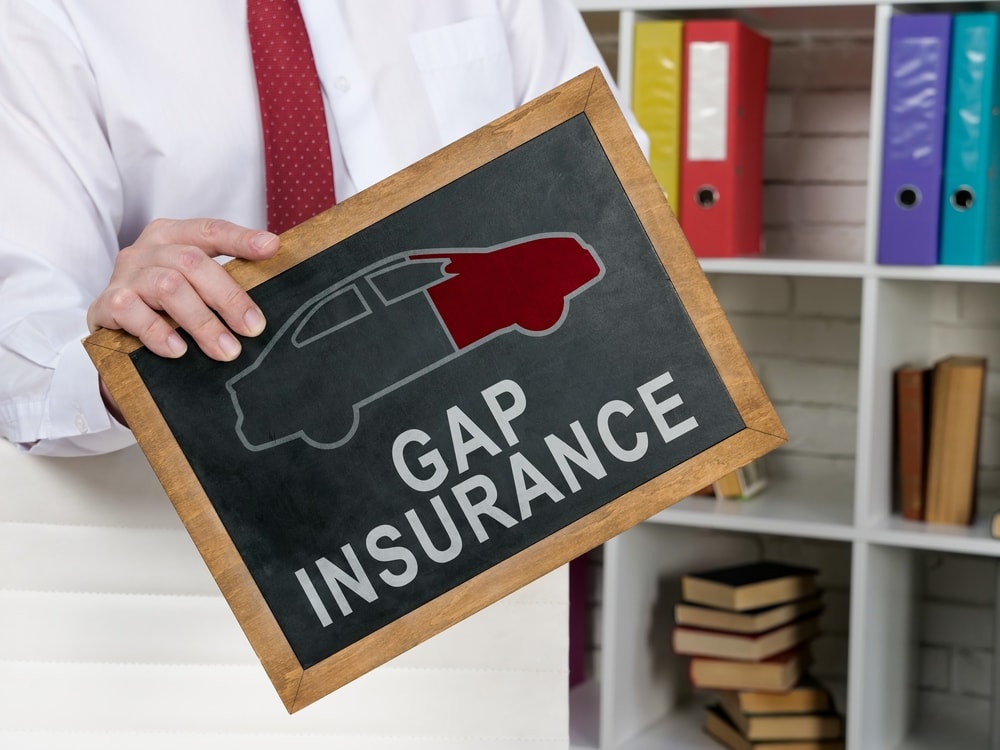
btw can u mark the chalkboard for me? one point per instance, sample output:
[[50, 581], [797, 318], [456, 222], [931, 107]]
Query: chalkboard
[[473, 372]]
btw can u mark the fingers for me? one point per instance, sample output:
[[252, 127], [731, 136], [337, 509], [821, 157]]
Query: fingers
[[122, 308], [170, 270], [214, 236], [187, 284]]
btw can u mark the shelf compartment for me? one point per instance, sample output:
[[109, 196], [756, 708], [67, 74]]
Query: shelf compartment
[[641, 678], [898, 532], [920, 320], [902, 698], [678, 730], [644, 689], [794, 507], [963, 725]]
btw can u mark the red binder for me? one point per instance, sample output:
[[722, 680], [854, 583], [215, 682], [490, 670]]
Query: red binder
[[724, 93]]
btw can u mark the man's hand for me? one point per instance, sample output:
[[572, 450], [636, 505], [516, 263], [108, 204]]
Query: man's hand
[[170, 269]]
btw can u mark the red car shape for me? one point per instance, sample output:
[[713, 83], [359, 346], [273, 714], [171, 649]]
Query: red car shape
[[396, 320]]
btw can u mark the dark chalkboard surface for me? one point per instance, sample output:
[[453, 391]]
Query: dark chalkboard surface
[[472, 373]]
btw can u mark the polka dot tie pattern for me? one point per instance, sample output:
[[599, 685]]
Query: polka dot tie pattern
[[299, 170]]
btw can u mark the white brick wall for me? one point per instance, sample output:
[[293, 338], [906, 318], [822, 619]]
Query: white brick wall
[[817, 62], [956, 632], [816, 146], [802, 335]]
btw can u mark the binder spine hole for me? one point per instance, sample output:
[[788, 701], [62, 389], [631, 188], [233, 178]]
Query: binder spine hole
[[706, 196], [963, 198], [908, 197]]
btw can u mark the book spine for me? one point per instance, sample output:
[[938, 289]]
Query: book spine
[[911, 439], [656, 98], [953, 455]]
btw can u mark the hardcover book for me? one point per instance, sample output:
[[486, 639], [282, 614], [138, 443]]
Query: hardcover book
[[912, 397], [743, 646], [752, 621], [780, 672], [718, 725], [749, 586], [953, 458], [826, 725], [806, 696]]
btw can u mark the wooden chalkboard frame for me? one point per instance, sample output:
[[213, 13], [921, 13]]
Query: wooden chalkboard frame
[[587, 94]]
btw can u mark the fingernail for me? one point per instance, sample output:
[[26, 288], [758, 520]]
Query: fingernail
[[176, 345], [263, 240], [253, 319], [230, 346]]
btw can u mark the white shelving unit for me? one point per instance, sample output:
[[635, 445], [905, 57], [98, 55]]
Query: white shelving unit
[[642, 698]]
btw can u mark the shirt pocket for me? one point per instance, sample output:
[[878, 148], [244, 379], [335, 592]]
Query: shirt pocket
[[467, 74]]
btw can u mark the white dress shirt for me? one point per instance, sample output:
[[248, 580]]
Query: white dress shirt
[[114, 114]]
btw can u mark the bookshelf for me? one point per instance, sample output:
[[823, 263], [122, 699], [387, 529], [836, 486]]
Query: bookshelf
[[831, 485]]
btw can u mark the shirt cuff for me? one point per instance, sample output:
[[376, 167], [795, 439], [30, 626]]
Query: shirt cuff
[[78, 422]]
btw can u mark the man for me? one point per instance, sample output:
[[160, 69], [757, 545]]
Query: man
[[122, 124], [112, 121]]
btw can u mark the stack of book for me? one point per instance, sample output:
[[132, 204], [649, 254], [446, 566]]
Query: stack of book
[[747, 630], [803, 718]]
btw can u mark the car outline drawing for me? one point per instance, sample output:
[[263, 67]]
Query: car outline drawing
[[433, 289]]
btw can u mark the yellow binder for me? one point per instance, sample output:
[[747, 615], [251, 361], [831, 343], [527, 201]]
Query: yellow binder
[[656, 97]]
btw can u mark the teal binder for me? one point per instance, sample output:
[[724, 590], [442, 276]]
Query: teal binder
[[970, 216]]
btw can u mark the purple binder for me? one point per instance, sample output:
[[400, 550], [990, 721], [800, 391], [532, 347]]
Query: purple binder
[[913, 144]]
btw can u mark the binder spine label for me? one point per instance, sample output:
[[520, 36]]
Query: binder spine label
[[970, 81], [914, 135], [708, 101]]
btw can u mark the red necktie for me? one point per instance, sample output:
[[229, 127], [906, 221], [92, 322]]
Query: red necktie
[[297, 160]]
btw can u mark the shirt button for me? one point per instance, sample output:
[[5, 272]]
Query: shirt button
[[341, 83], [81, 424]]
